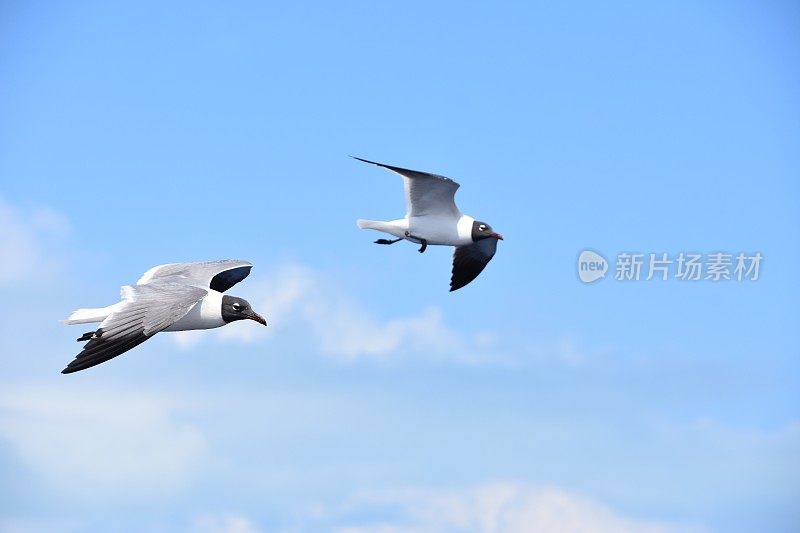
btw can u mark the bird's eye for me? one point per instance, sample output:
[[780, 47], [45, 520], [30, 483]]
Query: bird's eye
[[482, 227], [237, 306]]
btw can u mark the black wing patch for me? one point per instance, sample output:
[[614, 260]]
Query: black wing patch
[[406, 171], [470, 260], [99, 350], [228, 278]]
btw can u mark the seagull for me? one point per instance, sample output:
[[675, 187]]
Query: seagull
[[433, 218], [172, 297]]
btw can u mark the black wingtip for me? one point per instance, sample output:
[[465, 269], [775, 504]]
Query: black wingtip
[[399, 170], [366, 160], [73, 367], [405, 172], [383, 165]]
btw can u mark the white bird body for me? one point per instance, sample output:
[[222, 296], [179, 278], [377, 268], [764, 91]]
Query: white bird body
[[440, 230], [205, 314], [171, 297], [432, 218]]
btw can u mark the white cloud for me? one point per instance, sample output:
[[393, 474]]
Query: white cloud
[[25, 242], [187, 339], [104, 441], [224, 524], [297, 300], [765, 457], [490, 508]]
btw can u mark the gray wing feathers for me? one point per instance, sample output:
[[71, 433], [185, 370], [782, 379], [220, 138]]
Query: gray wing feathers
[[430, 195], [148, 309], [166, 303], [218, 275], [426, 194]]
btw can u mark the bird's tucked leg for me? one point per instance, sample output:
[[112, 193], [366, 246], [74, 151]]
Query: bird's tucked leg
[[89, 335], [387, 241], [423, 242]]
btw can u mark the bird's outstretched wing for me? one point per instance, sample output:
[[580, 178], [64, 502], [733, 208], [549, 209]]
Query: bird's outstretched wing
[[147, 310], [470, 260], [217, 275], [426, 194]]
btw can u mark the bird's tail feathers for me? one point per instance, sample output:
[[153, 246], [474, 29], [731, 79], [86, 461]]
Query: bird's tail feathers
[[87, 315], [374, 224]]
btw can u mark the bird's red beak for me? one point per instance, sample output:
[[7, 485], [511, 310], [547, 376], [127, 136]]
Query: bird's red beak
[[258, 318], [497, 236]]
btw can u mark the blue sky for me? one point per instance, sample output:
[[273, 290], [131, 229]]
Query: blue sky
[[135, 133]]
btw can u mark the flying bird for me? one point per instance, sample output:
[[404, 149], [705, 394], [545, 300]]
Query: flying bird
[[432, 218], [172, 297]]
